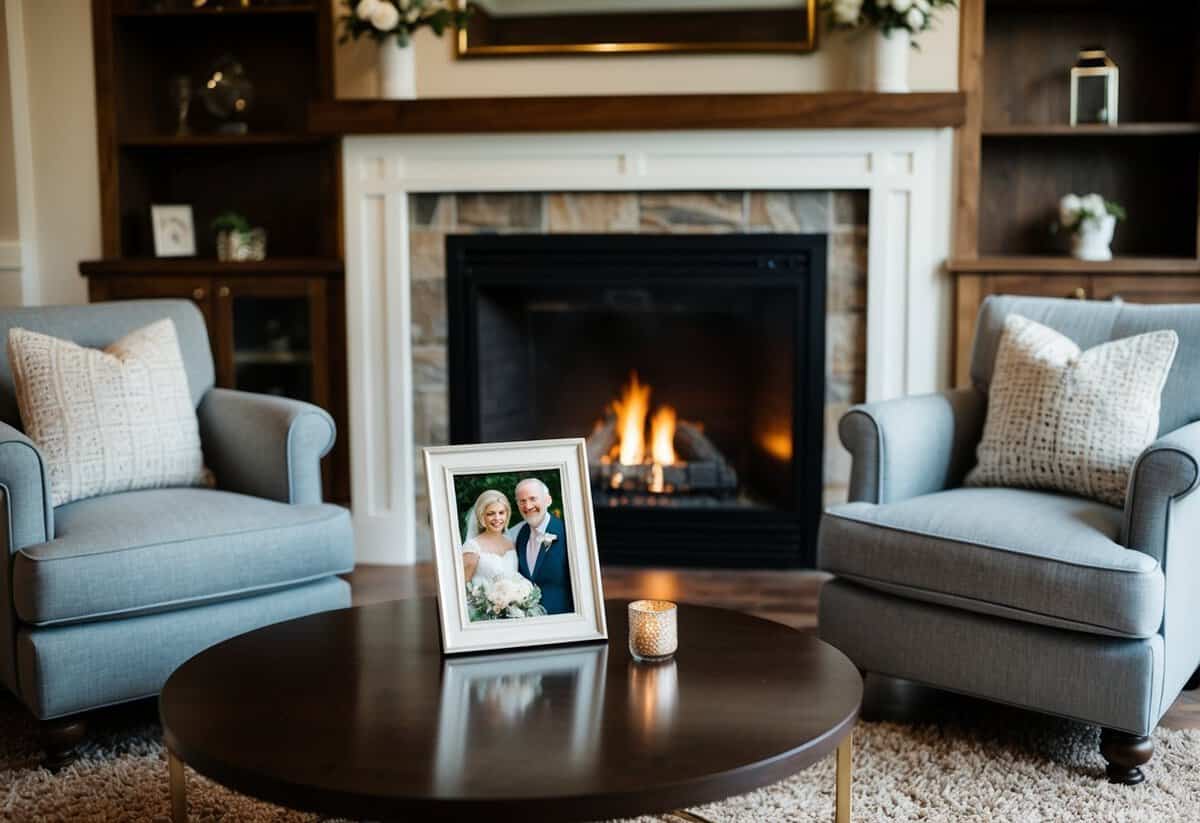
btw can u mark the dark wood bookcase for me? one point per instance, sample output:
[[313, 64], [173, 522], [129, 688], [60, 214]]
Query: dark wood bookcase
[[1018, 155], [277, 325]]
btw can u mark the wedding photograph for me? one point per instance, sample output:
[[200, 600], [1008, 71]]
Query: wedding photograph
[[514, 550], [514, 544]]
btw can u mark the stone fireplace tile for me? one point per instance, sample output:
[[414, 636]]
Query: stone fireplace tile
[[592, 212], [421, 513], [790, 211], [847, 268], [846, 342], [429, 211], [429, 311], [692, 212], [498, 212], [846, 388], [427, 250], [431, 418], [851, 208], [429, 367]]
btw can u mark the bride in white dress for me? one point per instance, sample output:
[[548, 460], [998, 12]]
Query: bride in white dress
[[488, 553]]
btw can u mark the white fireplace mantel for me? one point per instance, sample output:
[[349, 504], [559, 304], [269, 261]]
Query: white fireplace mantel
[[907, 173]]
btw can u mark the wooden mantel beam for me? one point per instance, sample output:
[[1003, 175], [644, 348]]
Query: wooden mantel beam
[[476, 115]]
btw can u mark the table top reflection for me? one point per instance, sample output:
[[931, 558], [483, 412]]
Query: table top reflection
[[357, 712]]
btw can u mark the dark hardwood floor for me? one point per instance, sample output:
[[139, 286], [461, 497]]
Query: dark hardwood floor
[[789, 597]]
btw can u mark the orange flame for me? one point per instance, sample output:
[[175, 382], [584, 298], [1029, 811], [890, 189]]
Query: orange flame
[[662, 436], [631, 412]]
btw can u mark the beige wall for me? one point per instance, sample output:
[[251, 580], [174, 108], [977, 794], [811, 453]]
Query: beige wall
[[9, 230], [838, 63], [62, 114]]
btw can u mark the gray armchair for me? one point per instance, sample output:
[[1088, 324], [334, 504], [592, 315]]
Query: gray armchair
[[103, 598], [1032, 598]]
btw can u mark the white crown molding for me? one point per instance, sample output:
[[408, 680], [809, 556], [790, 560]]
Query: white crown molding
[[906, 172]]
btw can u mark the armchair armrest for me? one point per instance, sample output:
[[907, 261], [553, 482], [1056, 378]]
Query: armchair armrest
[[1166, 472], [913, 445], [265, 446], [25, 486]]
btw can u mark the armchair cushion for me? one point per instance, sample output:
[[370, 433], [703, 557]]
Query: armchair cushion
[[163, 549], [1033, 556]]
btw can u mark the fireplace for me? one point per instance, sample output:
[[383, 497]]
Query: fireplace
[[693, 365]]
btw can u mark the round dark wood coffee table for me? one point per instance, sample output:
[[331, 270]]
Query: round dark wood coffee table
[[357, 713]]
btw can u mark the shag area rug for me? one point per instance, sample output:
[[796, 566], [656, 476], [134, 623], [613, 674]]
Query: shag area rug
[[1004, 766]]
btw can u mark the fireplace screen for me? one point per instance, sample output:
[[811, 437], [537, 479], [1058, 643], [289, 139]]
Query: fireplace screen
[[692, 366]]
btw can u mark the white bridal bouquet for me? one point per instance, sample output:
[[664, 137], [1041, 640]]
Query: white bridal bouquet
[[504, 597]]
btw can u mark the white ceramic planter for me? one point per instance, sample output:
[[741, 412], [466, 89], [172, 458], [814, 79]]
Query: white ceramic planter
[[1092, 239], [891, 60], [397, 71]]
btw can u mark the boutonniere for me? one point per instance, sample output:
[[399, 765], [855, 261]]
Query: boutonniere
[[547, 539]]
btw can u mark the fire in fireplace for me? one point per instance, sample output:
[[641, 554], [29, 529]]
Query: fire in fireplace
[[692, 365], [629, 467]]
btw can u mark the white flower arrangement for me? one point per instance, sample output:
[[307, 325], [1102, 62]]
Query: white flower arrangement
[[381, 19], [1074, 211], [547, 539], [913, 16], [504, 597]]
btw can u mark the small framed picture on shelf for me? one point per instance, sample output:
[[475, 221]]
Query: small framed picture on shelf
[[514, 545], [174, 233]]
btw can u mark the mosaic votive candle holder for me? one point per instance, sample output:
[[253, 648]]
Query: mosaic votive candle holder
[[653, 633]]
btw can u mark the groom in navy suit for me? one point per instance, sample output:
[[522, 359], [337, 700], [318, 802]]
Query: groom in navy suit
[[542, 547]]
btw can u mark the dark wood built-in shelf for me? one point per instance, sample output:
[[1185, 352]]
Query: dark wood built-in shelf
[[824, 110], [1090, 130], [1047, 264], [200, 141], [199, 265], [299, 8]]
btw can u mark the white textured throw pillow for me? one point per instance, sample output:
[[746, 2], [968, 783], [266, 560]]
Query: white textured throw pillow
[[1059, 418], [112, 420]]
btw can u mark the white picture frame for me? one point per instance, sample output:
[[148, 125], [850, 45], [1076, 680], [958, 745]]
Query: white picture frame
[[174, 231], [452, 472]]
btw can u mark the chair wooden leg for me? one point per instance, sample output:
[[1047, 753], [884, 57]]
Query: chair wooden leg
[[1125, 753], [59, 739], [1193, 682]]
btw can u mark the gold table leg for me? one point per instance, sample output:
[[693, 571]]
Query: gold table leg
[[845, 752], [178, 788]]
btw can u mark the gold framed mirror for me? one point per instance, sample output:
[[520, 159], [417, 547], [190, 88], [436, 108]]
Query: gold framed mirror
[[521, 28]]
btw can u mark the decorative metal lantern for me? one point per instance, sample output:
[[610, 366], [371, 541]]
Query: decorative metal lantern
[[1094, 88]]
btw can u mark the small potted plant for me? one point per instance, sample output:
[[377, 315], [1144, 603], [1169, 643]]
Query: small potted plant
[[236, 240], [895, 22], [1091, 220], [397, 20]]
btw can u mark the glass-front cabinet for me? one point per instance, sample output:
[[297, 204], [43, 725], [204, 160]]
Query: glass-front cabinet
[[273, 330]]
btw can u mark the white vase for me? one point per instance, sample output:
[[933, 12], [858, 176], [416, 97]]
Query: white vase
[[891, 60], [1091, 240], [397, 71]]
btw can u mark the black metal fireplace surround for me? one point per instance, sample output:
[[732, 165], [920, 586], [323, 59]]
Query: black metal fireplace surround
[[728, 329]]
